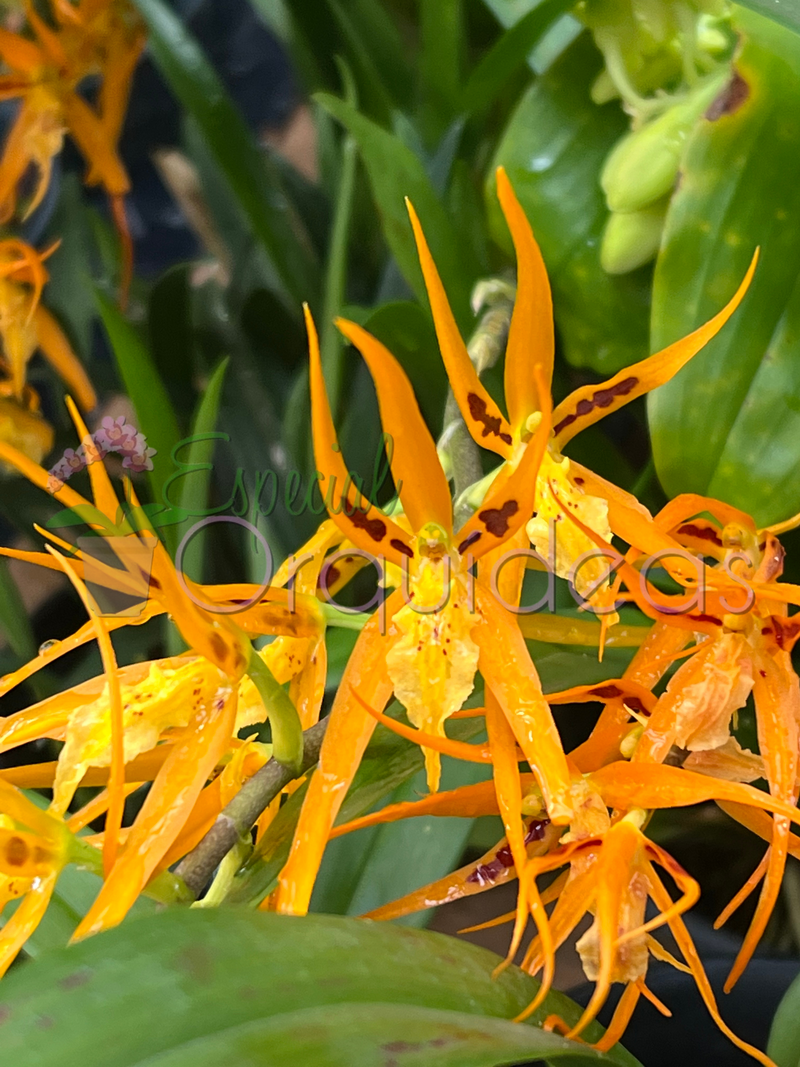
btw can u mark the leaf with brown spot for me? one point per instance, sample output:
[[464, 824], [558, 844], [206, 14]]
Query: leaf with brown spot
[[311, 997], [728, 425]]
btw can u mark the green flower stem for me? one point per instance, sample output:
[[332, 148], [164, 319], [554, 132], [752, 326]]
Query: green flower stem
[[287, 734], [236, 820]]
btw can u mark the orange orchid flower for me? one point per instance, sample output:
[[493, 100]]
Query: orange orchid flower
[[610, 872], [34, 848], [746, 649], [602, 506], [47, 72], [443, 624], [25, 326]]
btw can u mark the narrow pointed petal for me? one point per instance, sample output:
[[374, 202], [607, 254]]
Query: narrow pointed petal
[[647, 785], [102, 490], [682, 936], [495, 867], [468, 801], [483, 417], [19, 927], [591, 403], [621, 1017], [509, 673], [613, 689], [744, 892], [456, 749], [613, 875], [365, 525], [349, 730], [68, 644], [58, 352], [777, 699], [507, 779], [509, 503], [759, 823], [164, 812], [116, 778], [531, 338], [415, 463]]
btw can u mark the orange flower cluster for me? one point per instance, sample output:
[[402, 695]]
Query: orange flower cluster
[[451, 616], [46, 68]]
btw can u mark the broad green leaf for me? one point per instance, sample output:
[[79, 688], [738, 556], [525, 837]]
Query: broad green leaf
[[509, 53], [785, 12], [553, 149], [784, 1036], [253, 178], [557, 38], [395, 172], [187, 988], [729, 424], [154, 415]]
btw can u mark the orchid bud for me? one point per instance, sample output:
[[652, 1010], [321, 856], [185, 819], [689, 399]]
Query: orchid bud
[[643, 166], [632, 238]]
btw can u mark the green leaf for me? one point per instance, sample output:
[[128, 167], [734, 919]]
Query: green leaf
[[332, 342], [553, 150], [785, 12], [197, 455], [154, 415], [366, 869], [14, 621], [186, 988], [396, 172], [728, 424], [509, 53], [253, 178], [443, 46], [784, 1035], [557, 38]]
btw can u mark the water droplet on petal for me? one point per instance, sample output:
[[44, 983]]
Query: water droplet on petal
[[45, 646]]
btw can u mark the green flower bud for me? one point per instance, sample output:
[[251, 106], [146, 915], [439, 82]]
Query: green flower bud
[[631, 239], [643, 166]]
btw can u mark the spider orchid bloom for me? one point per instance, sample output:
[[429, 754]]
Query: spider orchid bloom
[[34, 847], [601, 506], [159, 698], [443, 625], [747, 648], [47, 73], [610, 874]]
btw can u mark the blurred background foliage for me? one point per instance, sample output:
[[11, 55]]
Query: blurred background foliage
[[653, 144]]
